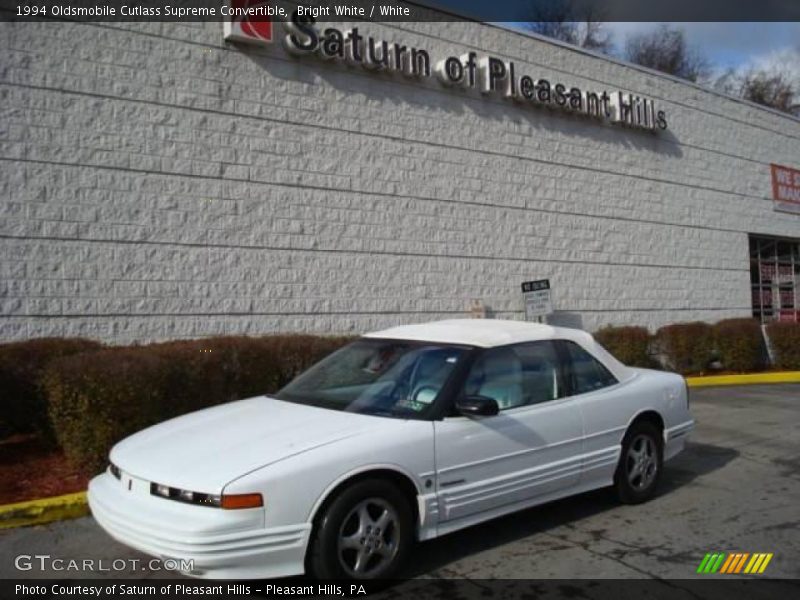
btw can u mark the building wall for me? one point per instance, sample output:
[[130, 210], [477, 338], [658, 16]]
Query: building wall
[[157, 183]]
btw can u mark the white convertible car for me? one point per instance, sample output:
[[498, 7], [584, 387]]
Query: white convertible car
[[405, 434]]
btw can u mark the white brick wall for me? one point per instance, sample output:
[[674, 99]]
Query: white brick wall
[[156, 183]]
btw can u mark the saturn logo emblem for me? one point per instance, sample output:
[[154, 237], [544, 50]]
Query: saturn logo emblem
[[248, 21]]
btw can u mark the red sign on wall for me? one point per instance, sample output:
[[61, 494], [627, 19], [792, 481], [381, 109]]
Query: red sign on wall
[[248, 21], [786, 188]]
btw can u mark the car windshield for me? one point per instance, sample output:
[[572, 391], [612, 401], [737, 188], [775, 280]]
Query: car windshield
[[394, 378]]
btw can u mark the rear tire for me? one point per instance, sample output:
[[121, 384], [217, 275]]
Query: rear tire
[[365, 533], [640, 463]]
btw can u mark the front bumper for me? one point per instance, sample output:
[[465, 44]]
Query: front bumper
[[224, 544]]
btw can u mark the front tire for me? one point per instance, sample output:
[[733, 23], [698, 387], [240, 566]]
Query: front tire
[[640, 463], [364, 533]]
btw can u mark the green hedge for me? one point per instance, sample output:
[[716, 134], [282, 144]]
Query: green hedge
[[91, 396], [687, 347], [785, 341], [23, 404], [739, 345], [630, 345], [96, 400]]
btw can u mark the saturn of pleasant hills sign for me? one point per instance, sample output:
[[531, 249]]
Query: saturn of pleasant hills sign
[[489, 74]]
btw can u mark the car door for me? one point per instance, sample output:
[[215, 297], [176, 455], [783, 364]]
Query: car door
[[530, 449], [606, 406]]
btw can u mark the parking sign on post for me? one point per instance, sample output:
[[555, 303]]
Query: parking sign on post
[[537, 299]]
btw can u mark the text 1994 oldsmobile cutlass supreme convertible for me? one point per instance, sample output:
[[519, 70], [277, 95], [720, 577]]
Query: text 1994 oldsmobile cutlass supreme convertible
[[405, 434]]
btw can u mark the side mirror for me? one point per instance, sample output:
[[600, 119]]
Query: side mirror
[[480, 406]]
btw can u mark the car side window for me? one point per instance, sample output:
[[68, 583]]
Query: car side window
[[584, 371], [516, 375]]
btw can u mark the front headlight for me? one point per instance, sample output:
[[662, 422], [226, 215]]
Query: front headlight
[[226, 501]]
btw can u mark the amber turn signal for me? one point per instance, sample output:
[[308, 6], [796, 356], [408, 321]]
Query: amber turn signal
[[230, 501]]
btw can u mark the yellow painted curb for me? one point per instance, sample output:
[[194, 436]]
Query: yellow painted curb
[[749, 379], [43, 510]]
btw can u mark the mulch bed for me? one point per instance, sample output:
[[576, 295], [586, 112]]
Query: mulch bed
[[30, 469]]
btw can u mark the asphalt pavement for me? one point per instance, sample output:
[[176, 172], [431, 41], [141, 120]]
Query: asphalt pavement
[[736, 488]]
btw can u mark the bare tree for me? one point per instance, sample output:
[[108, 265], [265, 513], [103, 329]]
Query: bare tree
[[728, 82], [767, 86], [594, 36], [770, 89], [570, 22], [665, 49]]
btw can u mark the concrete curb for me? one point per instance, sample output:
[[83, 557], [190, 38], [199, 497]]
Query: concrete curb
[[43, 510], [749, 379]]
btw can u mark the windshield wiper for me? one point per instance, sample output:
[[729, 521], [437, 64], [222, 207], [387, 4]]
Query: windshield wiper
[[385, 412]]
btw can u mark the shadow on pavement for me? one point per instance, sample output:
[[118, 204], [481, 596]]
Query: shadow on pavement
[[695, 461]]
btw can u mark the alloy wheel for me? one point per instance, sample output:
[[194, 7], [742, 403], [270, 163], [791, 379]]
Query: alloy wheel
[[368, 538], [641, 464]]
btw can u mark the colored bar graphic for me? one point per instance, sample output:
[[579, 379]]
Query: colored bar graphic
[[741, 561], [703, 563], [718, 562], [727, 564], [712, 560], [735, 562], [731, 564], [754, 563], [764, 564]]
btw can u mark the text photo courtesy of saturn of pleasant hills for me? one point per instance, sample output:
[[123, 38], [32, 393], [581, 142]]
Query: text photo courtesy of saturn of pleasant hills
[[401, 299]]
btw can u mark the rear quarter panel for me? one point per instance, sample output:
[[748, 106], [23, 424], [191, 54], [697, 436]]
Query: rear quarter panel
[[608, 413]]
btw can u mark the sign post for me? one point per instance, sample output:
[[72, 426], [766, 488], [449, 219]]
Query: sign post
[[537, 299]]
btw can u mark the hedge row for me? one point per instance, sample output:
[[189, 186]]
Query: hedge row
[[739, 345], [685, 347], [628, 344], [785, 341], [23, 404], [691, 348], [86, 397], [97, 399]]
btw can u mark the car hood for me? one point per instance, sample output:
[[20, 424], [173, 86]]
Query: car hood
[[204, 450]]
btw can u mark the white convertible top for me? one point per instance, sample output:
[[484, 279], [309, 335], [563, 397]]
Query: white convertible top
[[488, 333]]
